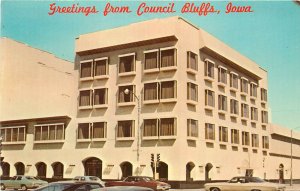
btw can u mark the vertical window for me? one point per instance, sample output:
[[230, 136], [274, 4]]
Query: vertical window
[[255, 140], [168, 90], [254, 114], [150, 128], [127, 63], [253, 89], [234, 83], [245, 110], [125, 128], [151, 91], [209, 98], [265, 142], [264, 116], [244, 85], [83, 131], [264, 95], [245, 138], [192, 128], [101, 67], [100, 96], [209, 131], [235, 136], [192, 91], [85, 97], [86, 69], [167, 127], [222, 102], [123, 97], [192, 60], [209, 68], [99, 130], [151, 59], [222, 75], [167, 57], [223, 134], [234, 107]]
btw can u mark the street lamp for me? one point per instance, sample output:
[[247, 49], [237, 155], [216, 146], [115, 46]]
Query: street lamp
[[291, 181], [127, 91]]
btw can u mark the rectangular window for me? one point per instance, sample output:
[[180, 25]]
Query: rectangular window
[[245, 138], [151, 60], [254, 114], [222, 102], [255, 140], [168, 90], [235, 136], [100, 96], [192, 60], [13, 134], [234, 83], [99, 130], [150, 128], [167, 127], [192, 128], [101, 67], [125, 128], [264, 116], [151, 91], [265, 142], [209, 98], [83, 131], [167, 57], [209, 131], [264, 95], [86, 69], [127, 63], [245, 110], [192, 91], [223, 134], [49, 132], [126, 96], [209, 68], [85, 97], [244, 85], [222, 75], [253, 89], [234, 107]]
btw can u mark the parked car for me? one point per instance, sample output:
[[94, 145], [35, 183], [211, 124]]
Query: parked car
[[242, 183], [22, 182], [89, 178], [142, 181], [71, 186], [125, 188]]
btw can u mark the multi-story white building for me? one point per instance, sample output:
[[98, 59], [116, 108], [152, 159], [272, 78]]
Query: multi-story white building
[[161, 87]]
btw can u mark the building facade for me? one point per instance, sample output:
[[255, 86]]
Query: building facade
[[160, 90]]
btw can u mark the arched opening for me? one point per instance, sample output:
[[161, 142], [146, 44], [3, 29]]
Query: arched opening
[[41, 169], [189, 168], [58, 170], [5, 169], [20, 168], [281, 173], [162, 171], [126, 168], [208, 167], [93, 167]]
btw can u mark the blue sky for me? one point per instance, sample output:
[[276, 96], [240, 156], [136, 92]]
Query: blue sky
[[270, 36]]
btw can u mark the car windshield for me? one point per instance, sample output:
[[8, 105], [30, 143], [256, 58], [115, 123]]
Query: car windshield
[[31, 178], [94, 178], [148, 179], [256, 179]]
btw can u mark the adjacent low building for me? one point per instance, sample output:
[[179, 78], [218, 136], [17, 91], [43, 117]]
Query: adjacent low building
[[158, 93]]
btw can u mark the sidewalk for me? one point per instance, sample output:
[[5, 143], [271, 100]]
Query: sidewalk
[[295, 187]]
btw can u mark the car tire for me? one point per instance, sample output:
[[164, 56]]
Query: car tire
[[23, 187], [214, 189], [2, 187]]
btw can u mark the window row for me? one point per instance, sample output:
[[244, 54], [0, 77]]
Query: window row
[[13, 134], [233, 134], [234, 80]]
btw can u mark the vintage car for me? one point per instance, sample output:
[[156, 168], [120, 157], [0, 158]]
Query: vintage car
[[89, 178], [242, 183], [22, 182], [142, 181]]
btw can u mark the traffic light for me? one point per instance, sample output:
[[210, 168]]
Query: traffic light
[[158, 157], [152, 160]]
